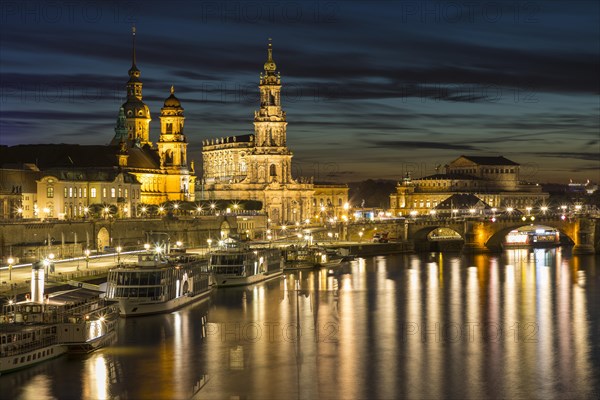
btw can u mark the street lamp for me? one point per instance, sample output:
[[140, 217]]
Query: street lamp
[[147, 246], [87, 258], [209, 242], [119, 254], [360, 234], [11, 261]]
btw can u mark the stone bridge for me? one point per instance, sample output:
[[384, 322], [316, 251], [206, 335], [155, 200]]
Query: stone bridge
[[485, 235]]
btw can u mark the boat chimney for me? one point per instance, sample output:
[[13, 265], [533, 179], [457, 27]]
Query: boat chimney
[[37, 282]]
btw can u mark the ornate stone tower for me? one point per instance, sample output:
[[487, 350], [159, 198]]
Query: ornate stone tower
[[271, 153], [172, 144], [172, 149], [137, 113]]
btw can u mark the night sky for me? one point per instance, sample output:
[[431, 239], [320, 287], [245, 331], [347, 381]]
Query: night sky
[[371, 90]]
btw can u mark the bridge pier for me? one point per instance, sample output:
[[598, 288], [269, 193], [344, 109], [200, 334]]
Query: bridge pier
[[473, 244], [585, 237]]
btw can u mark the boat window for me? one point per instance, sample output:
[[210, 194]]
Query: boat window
[[228, 259]]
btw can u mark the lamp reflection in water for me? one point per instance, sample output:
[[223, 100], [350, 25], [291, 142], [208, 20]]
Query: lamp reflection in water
[[97, 382]]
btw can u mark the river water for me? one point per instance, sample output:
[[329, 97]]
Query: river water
[[523, 324]]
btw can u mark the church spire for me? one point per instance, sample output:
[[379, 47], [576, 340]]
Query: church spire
[[137, 113], [270, 65], [134, 72], [133, 45]]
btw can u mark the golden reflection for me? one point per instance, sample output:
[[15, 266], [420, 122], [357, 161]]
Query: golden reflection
[[433, 329], [510, 333], [580, 332], [472, 334], [411, 330], [38, 388], [96, 386], [541, 330]]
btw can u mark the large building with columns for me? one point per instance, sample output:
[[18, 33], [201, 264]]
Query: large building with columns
[[494, 180]]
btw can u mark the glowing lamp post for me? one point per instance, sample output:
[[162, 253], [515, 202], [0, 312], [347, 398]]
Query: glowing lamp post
[[119, 254], [360, 235], [147, 246], [87, 258], [209, 242], [11, 261]]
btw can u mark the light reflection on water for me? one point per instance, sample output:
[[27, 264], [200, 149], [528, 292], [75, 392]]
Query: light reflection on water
[[518, 325]]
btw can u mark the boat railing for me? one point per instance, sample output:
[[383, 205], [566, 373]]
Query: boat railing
[[16, 348]]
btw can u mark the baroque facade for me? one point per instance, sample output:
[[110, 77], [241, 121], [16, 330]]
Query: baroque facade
[[163, 170], [128, 173], [494, 180], [258, 166]]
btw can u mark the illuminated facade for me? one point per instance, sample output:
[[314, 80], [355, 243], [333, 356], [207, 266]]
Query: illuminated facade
[[494, 180], [162, 170], [258, 166]]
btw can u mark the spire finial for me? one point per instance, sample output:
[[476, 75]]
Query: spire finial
[[133, 36], [270, 50], [172, 89]]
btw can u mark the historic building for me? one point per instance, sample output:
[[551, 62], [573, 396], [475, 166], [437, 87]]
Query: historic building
[[68, 179], [493, 180], [258, 166], [162, 170]]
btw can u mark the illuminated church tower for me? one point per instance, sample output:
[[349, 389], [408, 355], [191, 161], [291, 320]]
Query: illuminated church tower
[[172, 149], [270, 126], [137, 112], [258, 166]]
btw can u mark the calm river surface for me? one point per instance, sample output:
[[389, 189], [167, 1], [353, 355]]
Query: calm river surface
[[523, 324]]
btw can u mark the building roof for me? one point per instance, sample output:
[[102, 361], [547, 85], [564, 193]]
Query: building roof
[[74, 156], [60, 155], [462, 200], [482, 160], [454, 176]]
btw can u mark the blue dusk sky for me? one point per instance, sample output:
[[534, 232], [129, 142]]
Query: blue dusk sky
[[371, 89]]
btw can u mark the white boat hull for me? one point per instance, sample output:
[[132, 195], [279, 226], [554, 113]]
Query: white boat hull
[[15, 362], [138, 307], [228, 280]]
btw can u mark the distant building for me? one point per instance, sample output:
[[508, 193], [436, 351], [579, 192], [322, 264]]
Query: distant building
[[584, 188], [493, 180]]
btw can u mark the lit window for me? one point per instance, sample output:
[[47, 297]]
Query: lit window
[[93, 192], [103, 192], [113, 192], [66, 192], [126, 192], [50, 192]]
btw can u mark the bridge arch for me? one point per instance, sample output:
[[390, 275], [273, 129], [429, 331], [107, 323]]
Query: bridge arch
[[103, 238], [424, 241], [496, 240]]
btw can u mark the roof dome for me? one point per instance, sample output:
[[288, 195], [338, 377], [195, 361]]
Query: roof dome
[[172, 101]]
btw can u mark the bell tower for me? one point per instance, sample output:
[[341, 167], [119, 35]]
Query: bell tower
[[172, 144], [137, 113], [270, 124]]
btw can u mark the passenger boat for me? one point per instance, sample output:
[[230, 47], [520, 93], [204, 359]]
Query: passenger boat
[[539, 237], [45, 327], [236, 264], [299, 257], [307, 257], [158, 284]]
